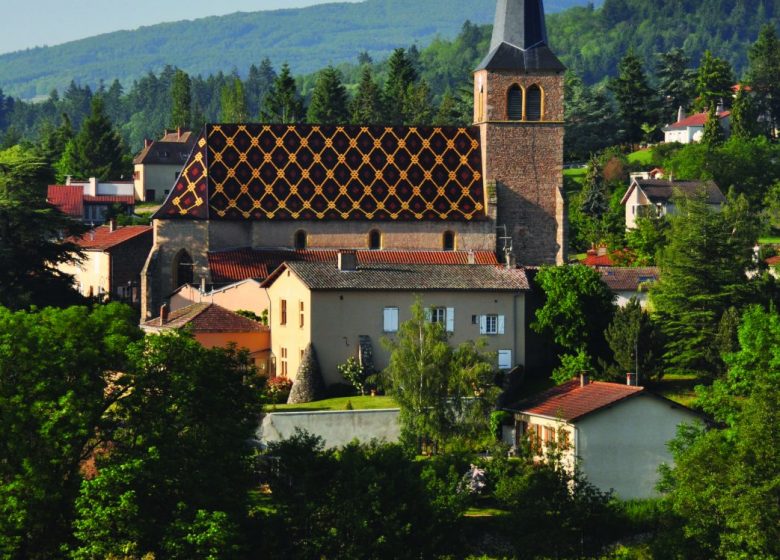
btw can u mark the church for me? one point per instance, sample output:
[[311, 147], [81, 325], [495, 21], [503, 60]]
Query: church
[[403, 192]]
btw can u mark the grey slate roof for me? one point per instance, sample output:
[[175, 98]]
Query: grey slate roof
[[520, 39], [628, 279], [659, 190], [410, 277]]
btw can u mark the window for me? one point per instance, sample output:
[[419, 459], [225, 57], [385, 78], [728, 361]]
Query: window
[[300, 314], [548, 435], [534, 432], [438, 315], [300, 240], [491, 324], [283, 312], [533, 103], [504, 359], [375, 240], [283, 362], [443, 315], [515, 103], [448, 241], [390, 320], [183, 269]]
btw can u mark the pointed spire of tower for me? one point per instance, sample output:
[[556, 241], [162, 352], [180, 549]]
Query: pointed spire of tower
[[520, 38]]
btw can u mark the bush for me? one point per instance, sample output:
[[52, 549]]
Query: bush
[[277, 390], [354, 373]]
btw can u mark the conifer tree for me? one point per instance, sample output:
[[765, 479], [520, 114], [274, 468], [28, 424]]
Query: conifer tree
[[401, 75], [367, 103], [329, 103], [283, 104], [258, 84], [96, 151], [418, 108], [447, 113], [744, 117], [181, 99], [675, 81], [55, 140], [594, 198], [713, 82], [764, 73], [713, 133], [233, 102], [634, 97]]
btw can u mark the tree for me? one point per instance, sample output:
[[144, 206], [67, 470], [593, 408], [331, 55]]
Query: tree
[[635, 98], [702, 274], [418, 108], [181, 97], [713, 133], [764, 73], [53, 405], [675, 81], [258, 84], [589, 115], [647, 238], [577, 309], [447, 114], [283, 104], [713, 82], [96, 151], [329, 102], [233, 102], [635, 342], [401, 75], [429, 380], [366, 106], [31, 252], [594, 197], [744, 116], [309, 385], [55, 140], [175, 466]]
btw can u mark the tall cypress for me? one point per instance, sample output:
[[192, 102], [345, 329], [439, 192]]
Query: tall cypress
[[181, 100], [367, 103], [401, 75], [283, 104], [329, 102], [713, 81], [764, 73]]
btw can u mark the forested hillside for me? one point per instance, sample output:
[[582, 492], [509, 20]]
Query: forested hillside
[[308, 39]]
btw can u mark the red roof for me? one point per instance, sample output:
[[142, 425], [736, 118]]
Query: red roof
[[68, 198], [699, 119], [571, 401], [207, 317], [240, 264], [107, 199], [102, 238], [628, 279], [594, 259], [773, 261]]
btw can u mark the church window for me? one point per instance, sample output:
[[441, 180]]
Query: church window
[[375, 240], [183, 272], [533, 103], [300, 239], [515, 103], [448, 241]]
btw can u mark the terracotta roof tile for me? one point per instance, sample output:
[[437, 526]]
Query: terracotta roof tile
[[240, 264], [109, 199], [622, 279], [103, 239], [699, 119], [571, 401], [207, 317], [68, 198], [773, 261]]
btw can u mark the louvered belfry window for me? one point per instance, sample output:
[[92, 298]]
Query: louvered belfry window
[[533, 103], [515, 104]]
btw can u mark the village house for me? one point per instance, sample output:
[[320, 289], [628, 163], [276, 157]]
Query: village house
[[112, 263], [655, 197], [688, 130], [158, 165], [345, 309], [214, 326], [245, 295], [629, 282], [91, 201], [618, 433]]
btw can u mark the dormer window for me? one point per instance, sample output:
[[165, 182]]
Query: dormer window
[[515, 103], [375, 240], [533, 103]]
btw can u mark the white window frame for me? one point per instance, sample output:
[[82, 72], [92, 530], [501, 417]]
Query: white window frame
[[492, 324], [390, 319], [443, 315]]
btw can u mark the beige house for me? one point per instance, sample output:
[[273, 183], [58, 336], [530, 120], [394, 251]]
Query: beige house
[[246, 295], [629, 282], [617, 432], [112, 263], [688, 130], [159, 164], [346, 310], [654, 197]]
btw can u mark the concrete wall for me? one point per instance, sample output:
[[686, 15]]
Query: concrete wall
[[246, 295], [92, 274], [337, 428], [160, 178], [622, 447]]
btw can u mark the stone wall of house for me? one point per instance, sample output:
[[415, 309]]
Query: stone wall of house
[[128, 259]]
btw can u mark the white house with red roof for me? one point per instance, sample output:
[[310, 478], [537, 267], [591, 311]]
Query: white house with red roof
[[618, 433], [691, 129], [89, 201], [112, 263]]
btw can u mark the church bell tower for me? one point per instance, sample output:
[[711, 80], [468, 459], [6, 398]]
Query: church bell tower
[[518, 106]]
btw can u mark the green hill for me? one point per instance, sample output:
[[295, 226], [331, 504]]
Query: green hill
[[307, 38]]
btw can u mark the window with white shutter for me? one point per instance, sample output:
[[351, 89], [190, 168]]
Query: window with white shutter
[[390, 319], [450, 319], [504, 359], [500, 321], [483, 324]]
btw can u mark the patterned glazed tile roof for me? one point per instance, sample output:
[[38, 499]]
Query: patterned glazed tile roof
[[240, 264], [406, 277], [103, 239], [571, 401], [68, 198], [628, 279], [207, 317], [311, 172]]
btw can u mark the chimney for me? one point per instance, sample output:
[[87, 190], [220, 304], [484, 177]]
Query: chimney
[[202, 284], [112, 225], [163, 314], [719, 108], [584, 379], [471, 258], [680, 113], [178, 132], [632, 379], [147, 142], [602, 251], [68, 179], [509, 258], [347, 260], [90, 189]]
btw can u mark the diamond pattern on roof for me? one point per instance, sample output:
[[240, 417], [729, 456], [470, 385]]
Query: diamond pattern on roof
[[310, 172]]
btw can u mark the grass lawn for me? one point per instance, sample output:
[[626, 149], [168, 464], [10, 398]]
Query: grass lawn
[[645, 157], [678, 388], [485, 512], [358, 403], [769, 241]]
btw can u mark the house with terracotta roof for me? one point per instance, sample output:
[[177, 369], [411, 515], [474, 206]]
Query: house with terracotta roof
[[655, 197], [158, 165], [345, 309], [383, 188], [617, 432], [629, 282], [112, 263], [691, 129], [216, 327], [90, 201]]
